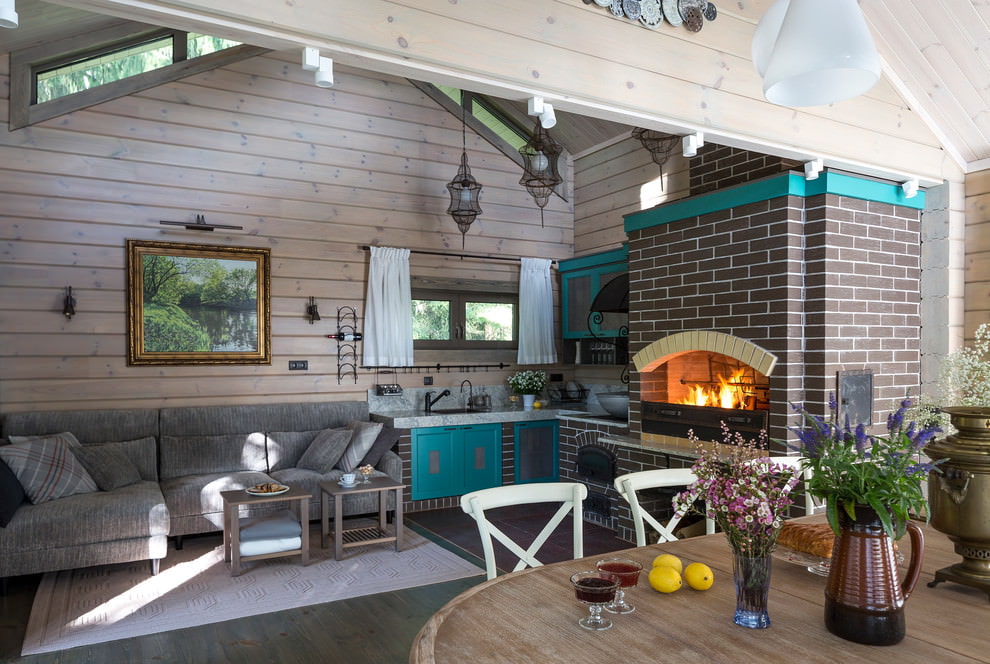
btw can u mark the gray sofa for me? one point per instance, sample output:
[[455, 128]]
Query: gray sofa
[[185, 457]]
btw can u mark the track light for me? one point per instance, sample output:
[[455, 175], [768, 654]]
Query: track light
[[314, 62], [691, 143], [813, 168], [910, 188], [8, 14], [536, 106]]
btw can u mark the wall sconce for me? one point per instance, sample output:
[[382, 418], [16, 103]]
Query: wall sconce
[[8, 14], [313, 61], [813, 168], [312, 311], [537, 106], [910, 188], [691, 143], [69, 304]]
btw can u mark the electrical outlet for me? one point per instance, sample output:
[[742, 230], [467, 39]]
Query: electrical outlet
[[427, 380], [298, 365]]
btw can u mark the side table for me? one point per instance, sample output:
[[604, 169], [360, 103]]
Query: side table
[[349, 537], [232, 500]]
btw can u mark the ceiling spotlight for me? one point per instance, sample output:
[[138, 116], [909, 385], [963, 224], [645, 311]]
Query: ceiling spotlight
[[537, 106], [324, 75], [691, 143], [8, 14], [910, 188], [310, 58], [813, 168]]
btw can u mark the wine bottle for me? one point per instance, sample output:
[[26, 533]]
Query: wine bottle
[[346, 336]]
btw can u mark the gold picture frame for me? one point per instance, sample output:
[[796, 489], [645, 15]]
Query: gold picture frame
[[197, 304]]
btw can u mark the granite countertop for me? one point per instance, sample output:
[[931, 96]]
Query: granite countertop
[[414, 419]]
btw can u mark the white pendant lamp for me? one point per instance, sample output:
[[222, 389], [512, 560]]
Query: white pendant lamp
[[812, 53], [8, 14]]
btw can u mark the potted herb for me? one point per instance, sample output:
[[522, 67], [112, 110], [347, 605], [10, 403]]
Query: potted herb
[[529, 384]]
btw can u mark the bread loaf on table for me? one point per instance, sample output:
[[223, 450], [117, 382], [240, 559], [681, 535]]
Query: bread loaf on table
[[813, 538]]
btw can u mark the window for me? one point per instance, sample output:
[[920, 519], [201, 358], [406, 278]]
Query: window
[[66, 76], [110, 63], [452, 319]]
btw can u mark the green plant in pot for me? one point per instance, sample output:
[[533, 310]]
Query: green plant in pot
[[872, 486], [528, 383]]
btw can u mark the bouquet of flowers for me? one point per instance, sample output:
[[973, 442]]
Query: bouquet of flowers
[[747, 494], [850, 467], [528, 382]]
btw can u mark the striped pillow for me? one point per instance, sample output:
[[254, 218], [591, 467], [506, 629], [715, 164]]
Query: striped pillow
[[47, 469]]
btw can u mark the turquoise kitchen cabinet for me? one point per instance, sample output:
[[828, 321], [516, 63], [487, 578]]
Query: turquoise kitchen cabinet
[[454, 460], [581, 278]]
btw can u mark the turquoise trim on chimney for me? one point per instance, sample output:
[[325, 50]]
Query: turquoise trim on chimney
[[786, 184]]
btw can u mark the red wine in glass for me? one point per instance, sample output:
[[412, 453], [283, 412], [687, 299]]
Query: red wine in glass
[[595, 589]]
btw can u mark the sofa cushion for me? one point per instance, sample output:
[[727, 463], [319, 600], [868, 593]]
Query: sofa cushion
[[11, 494], [364, 436], [285, 448], [385, 441], [193, 495], [325, 450], [142, 452], [199, 455], [47, 469], [109, 467], [135, 511]]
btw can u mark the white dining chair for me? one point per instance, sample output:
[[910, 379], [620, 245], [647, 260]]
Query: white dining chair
[[796, 463], [627, 485], [571, 495]]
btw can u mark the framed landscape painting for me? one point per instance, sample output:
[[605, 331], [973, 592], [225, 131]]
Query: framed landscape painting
[[197, 304]]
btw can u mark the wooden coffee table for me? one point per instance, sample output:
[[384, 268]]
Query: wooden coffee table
[[232, 500], [349, 537]]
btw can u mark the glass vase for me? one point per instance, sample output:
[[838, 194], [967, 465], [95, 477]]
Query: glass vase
[[752, 579]]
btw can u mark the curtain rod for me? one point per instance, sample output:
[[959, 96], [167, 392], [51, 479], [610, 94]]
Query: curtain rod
[[365, 247]]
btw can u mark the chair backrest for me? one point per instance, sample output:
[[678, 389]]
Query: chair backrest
[[570, 494], [795, 462], [627, 485]]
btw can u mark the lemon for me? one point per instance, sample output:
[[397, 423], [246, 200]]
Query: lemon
[[665, 579], [669, 560], [699, 576]]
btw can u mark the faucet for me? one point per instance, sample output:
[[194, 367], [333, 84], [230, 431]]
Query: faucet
[[470, 399], [430, 402]]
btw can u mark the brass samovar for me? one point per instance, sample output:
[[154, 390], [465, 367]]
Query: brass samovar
[[959, 496]]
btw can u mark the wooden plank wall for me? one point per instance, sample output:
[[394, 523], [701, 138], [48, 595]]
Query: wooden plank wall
[[310, 173], [977, 294], [618, 179]]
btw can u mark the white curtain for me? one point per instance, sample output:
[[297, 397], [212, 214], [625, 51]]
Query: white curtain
[[388, 310], [535, 313]]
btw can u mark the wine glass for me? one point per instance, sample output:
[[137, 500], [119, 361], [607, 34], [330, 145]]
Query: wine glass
[[627, 572], [595, 589]]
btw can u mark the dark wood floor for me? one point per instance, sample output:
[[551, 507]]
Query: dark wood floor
[[376, 629]]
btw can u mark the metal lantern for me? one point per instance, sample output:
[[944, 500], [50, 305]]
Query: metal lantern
[[465, 191], [540, 175], [659, 144]]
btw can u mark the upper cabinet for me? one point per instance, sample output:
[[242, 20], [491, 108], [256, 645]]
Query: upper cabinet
[[582, 279]]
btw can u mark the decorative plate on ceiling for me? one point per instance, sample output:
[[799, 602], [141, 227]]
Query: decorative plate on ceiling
[[632, 9], [670, 12], [694, 19], [710, 11], [603, 3], [650, 14], [616, 8]]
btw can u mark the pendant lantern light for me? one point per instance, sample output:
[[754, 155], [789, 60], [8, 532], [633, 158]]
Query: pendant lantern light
[[813, 53], [465, 191], [540, 174]]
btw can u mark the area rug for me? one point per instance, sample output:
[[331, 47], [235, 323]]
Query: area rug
[[194, 587]]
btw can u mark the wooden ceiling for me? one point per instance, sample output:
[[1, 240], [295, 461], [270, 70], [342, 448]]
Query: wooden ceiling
[[936, 54]]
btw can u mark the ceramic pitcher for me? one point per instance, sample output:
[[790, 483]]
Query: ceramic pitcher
[[864, 599]]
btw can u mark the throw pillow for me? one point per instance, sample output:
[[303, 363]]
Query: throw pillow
[[108, 466], [47, 469], [11, 494], [325, 450], [365, 434], [66, 436], [386, 440]]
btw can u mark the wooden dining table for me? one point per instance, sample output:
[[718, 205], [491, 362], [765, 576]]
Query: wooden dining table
[[532, 616]]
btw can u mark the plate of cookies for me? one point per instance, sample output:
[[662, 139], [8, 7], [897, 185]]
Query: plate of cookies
[[267, 489]]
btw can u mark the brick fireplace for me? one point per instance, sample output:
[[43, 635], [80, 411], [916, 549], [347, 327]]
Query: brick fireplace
[[797, 280]]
